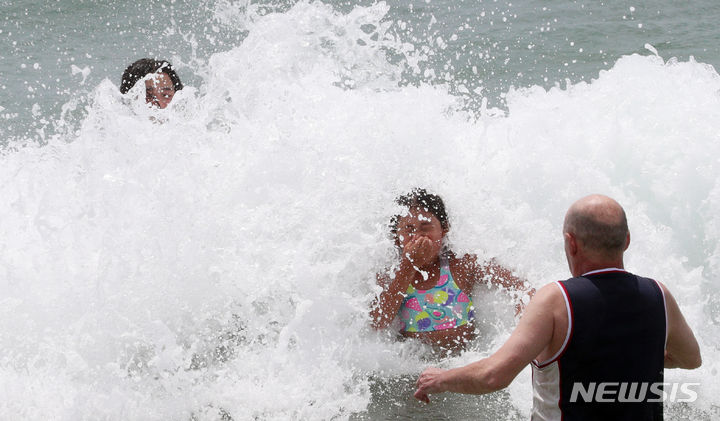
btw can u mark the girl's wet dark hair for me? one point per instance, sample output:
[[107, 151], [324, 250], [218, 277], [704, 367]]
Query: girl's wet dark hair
[[144, 67], [421, 199]]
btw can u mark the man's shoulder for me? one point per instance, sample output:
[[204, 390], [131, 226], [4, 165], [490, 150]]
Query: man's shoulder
[[550, 294]]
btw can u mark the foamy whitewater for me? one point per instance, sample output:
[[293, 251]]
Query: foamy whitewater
[[216, 260]]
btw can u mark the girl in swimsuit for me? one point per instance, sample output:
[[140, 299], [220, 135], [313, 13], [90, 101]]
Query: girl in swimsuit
[[428, 295]]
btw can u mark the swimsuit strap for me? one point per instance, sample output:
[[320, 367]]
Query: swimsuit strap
[[446, 278], [444, 262]]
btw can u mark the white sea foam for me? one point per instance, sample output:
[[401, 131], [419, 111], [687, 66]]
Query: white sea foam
[[219, 256]]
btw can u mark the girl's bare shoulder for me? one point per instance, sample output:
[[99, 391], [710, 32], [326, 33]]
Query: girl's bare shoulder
[[466, 270]]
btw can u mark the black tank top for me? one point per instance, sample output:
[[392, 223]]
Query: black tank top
[[611, 366]]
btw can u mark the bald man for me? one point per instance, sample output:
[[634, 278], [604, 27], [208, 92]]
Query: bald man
[[597, 342]]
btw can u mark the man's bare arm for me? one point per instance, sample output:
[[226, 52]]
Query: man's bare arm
[[533, 334], [682, 350]]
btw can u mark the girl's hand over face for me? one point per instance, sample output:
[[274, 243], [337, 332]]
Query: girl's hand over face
[[420, 251]]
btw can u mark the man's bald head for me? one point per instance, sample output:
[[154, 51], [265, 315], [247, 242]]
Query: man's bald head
[[599, 224]]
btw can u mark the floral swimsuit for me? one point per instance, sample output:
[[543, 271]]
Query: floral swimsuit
[[443, 306]]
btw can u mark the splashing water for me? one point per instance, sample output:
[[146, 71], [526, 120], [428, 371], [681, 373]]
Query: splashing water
[[216, 260]]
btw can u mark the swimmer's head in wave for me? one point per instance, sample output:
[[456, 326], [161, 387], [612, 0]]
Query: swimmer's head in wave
[[160, 87], [420, 199]]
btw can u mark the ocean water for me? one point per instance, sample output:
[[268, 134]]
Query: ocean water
[[216, 260]]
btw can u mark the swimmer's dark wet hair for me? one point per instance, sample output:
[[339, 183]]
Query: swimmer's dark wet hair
[[421, 199], [144, 67]]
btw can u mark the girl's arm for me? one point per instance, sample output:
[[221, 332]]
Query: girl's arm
[[493, 273], [417, 253], [388, 303], [501, 276]]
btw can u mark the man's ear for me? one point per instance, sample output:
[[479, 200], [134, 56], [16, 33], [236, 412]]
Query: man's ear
[[571, 244], [627, 241]]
